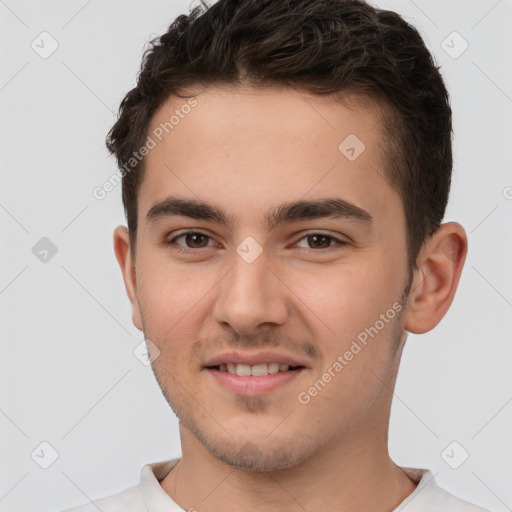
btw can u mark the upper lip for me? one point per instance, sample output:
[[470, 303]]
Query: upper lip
[[253, 358]]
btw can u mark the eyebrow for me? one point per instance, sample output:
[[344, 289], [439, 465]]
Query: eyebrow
[[285, 213]]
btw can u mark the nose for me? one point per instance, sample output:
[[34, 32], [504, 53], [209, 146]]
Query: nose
[[250, 295]]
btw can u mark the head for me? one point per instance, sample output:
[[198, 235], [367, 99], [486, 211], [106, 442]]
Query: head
[[273, 125]]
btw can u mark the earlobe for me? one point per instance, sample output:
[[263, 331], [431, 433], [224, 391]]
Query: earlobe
[[125, 260], [436, 279]]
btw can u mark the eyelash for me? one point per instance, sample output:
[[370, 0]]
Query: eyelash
[[340, 243]]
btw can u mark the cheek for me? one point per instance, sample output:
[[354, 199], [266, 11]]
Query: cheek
[[347, 298], [356, 304], [175, 300], [358, 309], [171, 292]]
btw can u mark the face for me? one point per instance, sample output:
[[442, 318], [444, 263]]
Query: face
[[313, 292]]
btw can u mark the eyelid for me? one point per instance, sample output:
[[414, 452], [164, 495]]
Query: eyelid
[[340, 242]]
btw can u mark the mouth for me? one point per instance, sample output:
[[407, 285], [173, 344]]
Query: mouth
[[253, 380]]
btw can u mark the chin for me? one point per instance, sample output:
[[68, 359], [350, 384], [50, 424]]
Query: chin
[[252, 457], [252, 449]]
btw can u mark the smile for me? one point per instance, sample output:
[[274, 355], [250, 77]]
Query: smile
[[253, 380], [257, 370]]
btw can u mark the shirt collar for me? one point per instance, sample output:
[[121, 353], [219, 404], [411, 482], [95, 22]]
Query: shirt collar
[[157, 500]]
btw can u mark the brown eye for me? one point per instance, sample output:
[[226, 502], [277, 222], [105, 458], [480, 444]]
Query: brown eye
[[322, 241], [194, 240]]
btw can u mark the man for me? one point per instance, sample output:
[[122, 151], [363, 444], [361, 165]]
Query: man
[[286, 167]]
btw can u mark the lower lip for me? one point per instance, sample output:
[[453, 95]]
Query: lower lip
[[251, 386]]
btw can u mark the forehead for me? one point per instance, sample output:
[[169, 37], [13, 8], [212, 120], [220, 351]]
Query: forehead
[[232, 145], [244, 115]]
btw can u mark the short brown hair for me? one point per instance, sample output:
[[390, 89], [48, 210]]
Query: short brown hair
[[318, 46]]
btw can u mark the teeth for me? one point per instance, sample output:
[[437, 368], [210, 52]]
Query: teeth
[[244, 370], [273, 368], [257, 370]]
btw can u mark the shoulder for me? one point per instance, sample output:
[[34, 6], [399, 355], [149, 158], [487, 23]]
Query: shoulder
[[129, 500], [428, 496], [443, 500], [134, 498]]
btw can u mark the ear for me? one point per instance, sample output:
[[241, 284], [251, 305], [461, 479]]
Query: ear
[[127, 264], [435, 280]]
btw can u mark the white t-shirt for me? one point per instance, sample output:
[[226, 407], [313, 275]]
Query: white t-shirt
[[148, 495]]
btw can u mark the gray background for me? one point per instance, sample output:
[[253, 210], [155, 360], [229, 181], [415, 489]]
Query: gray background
[[68, 373]]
